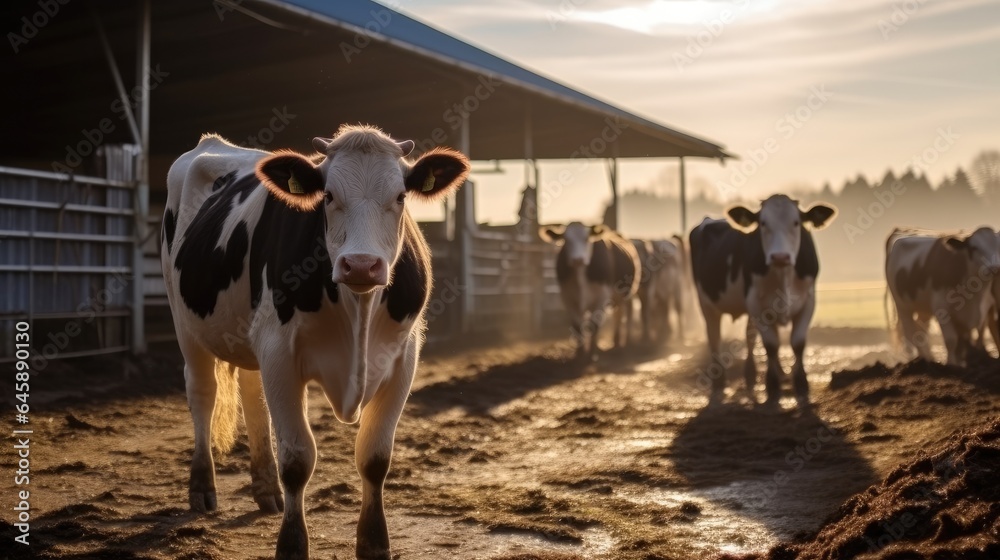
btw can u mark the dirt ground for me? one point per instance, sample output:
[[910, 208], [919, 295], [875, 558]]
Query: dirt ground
[[509, 452]]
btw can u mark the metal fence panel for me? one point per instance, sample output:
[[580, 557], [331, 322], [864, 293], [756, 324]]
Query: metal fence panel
[[65, 258]]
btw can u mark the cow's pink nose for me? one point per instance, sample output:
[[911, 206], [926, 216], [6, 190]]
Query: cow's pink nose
[[781, 259], [360, 271]]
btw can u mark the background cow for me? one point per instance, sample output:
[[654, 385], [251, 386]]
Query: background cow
[[668, 282], [596, 268], [283, 269], [644, 295], [661, 287], [945, 276], [764, 264]]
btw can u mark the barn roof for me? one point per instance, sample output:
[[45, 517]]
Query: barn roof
[[277, 72]]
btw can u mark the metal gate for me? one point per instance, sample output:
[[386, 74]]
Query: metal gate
[[66, 252]]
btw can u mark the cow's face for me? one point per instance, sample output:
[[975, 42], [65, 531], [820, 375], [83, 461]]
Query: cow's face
[[362, 185], [781, 222], [577, 238], [982, 246]]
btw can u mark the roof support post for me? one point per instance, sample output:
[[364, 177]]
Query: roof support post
[[141, 195], [465, 223], [684, 213], [109, 55], [532, 259], [611, 218]]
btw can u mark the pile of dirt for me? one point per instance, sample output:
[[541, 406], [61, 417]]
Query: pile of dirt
[[944, 505]]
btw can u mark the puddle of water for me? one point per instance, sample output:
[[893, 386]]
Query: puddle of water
[[596, 542], [717, 528]]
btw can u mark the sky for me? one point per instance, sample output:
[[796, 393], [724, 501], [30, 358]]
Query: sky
[[804, 92]]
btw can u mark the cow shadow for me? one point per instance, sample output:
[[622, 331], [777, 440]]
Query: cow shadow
[[477, 394], [480, 393], [786, 469]]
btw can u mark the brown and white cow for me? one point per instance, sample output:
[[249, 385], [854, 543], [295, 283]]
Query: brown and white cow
[[596, 269], [948, 277], [283, 269], [763, 264]]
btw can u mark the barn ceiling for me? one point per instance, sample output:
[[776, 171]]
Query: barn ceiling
[[279, 73]]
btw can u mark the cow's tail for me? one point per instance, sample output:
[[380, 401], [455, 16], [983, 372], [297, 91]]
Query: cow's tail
[[226, 416]]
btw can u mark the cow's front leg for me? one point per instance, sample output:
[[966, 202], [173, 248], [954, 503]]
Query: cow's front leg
[[917, 335], [623, 322], [749, 366], [716, 370], [263, 472], [769, 336], [285, 393], [952, 341], [373, 453], [800, 328]]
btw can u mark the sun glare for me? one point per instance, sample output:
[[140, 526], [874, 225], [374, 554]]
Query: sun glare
[[648, 17]]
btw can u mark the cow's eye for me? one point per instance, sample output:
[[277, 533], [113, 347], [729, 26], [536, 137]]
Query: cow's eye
[[796, 224], [401, 198], [328, 196], [763, 224]]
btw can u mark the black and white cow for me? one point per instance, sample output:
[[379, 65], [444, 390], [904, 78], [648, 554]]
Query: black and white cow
[[763, 264], [596, 269], [283, 269], [945, 276]]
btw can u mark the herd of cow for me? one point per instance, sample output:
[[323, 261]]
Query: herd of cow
[[283, 269]]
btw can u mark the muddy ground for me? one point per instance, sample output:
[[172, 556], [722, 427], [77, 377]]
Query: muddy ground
[[511, 452]]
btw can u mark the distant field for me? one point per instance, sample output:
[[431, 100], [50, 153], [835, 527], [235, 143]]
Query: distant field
[[850, 304]]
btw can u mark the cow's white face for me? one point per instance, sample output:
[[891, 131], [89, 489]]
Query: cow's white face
[[780, 222], [982, 246], [577, 238], [362, 184]]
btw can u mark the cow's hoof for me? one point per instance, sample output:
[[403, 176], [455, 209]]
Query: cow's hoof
[[374, 554], [202, 502], [270, 503], [715, 399], [803, 403], [771, 406]]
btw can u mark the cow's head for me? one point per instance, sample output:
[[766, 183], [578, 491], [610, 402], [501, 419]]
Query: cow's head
[[982, 246], [362, 182], [781, 223], [577, 238]]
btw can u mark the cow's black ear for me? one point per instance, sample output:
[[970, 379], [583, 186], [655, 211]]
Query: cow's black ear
[[292, 179], [742, 218], [598, 230], [956, 243], [819, 215], [437, 173], [551, 234]]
